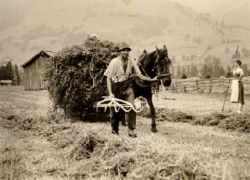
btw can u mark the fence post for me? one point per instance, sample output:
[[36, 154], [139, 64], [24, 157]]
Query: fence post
[[197, 85], [178, 87], [210, 86]]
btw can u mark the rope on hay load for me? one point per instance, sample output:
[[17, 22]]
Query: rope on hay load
[[118, 104]]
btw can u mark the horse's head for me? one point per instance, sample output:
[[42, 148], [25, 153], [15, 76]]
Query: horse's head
[[162, 65], [155, 64]]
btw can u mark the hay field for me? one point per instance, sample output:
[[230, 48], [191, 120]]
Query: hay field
[[39, 144]]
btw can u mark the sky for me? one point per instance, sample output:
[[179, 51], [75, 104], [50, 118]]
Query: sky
[[199, 5]]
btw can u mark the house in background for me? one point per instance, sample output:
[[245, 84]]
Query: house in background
[[33, 71], [5, 82]]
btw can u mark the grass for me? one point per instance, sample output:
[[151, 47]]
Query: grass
[[203, 104], [224, 120], [41, 145]]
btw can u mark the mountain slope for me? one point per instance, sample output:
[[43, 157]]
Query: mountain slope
[[52, 25], [235, 12]]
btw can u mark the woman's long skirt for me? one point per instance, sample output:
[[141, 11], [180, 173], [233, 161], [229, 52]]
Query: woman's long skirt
[[237, 93]]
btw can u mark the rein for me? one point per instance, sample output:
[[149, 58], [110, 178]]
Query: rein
[[143, 70], [160, 76], [155, 87], [163, 76]]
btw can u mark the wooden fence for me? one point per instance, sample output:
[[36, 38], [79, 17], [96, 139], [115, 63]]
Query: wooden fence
[[218, 85]]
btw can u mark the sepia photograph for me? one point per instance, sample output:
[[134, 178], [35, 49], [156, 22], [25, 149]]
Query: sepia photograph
[[124, 89]]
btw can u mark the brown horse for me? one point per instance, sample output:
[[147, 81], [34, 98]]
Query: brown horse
[[156, 63]]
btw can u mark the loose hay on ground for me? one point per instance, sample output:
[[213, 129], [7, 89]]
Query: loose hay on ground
[[224, 120], [98, 156], [87, 146]]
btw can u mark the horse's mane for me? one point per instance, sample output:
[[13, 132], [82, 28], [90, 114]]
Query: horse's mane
[[148, 56], [152, 54]]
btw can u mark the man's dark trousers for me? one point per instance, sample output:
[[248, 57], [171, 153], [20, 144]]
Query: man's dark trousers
[[126, 94]]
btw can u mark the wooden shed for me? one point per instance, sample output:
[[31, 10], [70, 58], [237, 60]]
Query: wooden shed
[[33, 70], [5, 82]]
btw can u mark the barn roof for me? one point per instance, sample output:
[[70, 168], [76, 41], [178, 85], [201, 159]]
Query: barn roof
[[41, 53], [5, 81]]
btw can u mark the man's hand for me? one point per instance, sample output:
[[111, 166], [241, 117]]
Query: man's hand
[[146, 78], [111, 95], [155, 79]]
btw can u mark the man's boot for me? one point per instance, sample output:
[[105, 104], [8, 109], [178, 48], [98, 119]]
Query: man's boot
[[132, 133]]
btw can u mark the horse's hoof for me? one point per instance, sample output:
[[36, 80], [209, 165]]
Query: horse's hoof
[[153, 129]]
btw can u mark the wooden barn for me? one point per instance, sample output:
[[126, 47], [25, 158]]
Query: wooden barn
[[33, 71]]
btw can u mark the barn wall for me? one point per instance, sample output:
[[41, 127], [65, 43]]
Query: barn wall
[[33, 75]]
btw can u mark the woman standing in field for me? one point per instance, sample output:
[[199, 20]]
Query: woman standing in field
[[237, 94]]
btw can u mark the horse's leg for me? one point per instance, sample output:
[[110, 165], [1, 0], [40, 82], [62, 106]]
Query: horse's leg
[[152, 111]]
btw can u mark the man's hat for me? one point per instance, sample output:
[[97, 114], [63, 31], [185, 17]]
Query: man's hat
[[124, 48]]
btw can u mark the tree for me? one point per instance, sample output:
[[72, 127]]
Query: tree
[[245, 52], [216, 67], [197, 39], [212, 67], [183, 76], [9, 71], [194, 70], [6, 72], [207, 76], [236, 54], [204, 70], [209, 47], [229, 72], [222, 71], [193, 56], [16, 76], [183, 57], [3, 74], [183, 70], [178, 71], [246, 70], [188, 70]]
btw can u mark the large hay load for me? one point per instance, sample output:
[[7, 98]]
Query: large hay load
[[75, 76]]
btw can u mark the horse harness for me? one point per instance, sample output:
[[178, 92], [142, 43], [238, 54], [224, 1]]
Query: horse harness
[[155, 85]]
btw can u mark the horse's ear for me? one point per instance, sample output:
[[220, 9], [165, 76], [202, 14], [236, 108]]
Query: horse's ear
[[165, 47], [156, 48]]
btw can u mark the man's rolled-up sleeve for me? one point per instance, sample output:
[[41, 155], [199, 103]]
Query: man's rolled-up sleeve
[[136, 68]]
